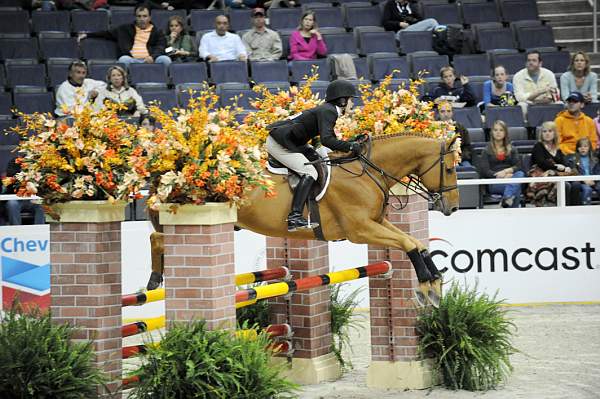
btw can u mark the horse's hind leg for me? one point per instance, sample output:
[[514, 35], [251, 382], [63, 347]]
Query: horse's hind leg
[[157, 248]]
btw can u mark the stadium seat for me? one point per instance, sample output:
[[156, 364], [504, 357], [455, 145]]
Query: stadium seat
[[228, 71], [314, 4], [148, 73], [468, 195], [514, 26], [167, 99], [445, 14], [415, 41], [26, 75], [89, 21], [18, 48], [469, 117], [58, 71], [531, 37], [518, 10], [477, 87], [494, 38], [59, 48], [300, 69], [185, 91], [556, 61], [380, 67], [512, 116], [361, 16], [475, 13], [330, 17], [202, 20], [122, 17], [269, 71], [427, 62], [476, 135], [512, 62], [2, 77], [516, 133], [6, 105], [54, 21], [538, 114], [34, 102], [160, 18], [240, 19], [97, 69], [188, 72], [285, 44], [99, 49], [284, 18], [340, 43], [227, 97], [14, 22], [362, 69], [472, 65], [377, 42], [318, 88]]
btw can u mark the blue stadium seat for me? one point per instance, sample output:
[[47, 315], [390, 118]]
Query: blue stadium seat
[[6, 104], [318, 88], [59, 48], [227, 97], [19, 48], [477, 87], [121, 17], [188, 72], [97, 69], [518, 135], [471, 64], [469, 117], [148, 73], [284, 18], [269, 71], [382, 66], [26, 75], [377, 42], [443, 13], [186, 90], [476, 134], [89, 21], [54, 21], [512, 116], [167, 99], [240, 19], [285, 44], [229, 71], [591, 109], [275, 87], [2, 77], [14, 22], [538, 114], [201, 20], [512, 62], [340, 43], [99, 49], [330, 17], [494, 38], [160, 18], [362, 68], [518, 10], [34, 102], [475, 13], [299, 69], [361, 16], [57, 72], [314, 4], [415, 41], [427, 62], [530, 37]]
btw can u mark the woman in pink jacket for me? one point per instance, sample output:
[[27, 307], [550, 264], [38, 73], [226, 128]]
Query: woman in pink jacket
[[307, 43]]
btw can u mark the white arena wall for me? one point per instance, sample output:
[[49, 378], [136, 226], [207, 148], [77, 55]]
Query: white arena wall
[[527, 255]]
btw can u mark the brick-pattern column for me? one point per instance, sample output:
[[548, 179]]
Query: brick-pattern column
[[200, 274], [310, 316], [86, 289], [393, 314]]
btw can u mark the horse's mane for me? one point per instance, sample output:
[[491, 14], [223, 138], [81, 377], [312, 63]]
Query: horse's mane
[[395, 135]]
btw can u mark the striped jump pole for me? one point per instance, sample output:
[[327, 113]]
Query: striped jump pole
[[251, 295], [141, 298], [280, 273], [142, 326]]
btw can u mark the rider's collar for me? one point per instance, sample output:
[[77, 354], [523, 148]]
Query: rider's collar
[[340, 111]]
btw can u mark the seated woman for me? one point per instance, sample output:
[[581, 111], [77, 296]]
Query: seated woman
[[15, 207], [180, 45], [501, 160], [306, 43], [587, 164], [498, 92], [579, 78], [117, 90], [547, 160], [451, 90]]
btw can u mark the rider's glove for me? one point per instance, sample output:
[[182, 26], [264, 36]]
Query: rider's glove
[[356, 148]]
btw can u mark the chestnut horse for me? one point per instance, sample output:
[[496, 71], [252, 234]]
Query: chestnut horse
[[354, 206]]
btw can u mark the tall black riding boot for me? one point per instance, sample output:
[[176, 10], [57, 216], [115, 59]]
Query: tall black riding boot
[[295, 219]]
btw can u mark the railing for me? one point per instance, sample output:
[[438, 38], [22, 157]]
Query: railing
[[594, 4]]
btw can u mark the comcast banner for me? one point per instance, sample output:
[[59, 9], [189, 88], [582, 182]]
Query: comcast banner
[[527, 255]]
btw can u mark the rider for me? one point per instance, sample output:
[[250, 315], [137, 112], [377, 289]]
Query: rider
[[288, 143]]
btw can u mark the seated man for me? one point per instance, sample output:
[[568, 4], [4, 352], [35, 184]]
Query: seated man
[[402, 15], [262, 44], [77, 89], [221, 45], [446, 113], [140, 42], [534, 84], [15, 207]]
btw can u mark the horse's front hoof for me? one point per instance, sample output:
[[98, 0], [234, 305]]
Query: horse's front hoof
[[155, 281], [437, 286], [420, 299], [434, 299]]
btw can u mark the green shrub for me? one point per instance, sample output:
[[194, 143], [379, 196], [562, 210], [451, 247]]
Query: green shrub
[[469, 338], [38, 359], [343, 320], [193, 362]]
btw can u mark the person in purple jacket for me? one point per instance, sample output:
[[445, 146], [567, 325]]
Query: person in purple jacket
[[306, 43]]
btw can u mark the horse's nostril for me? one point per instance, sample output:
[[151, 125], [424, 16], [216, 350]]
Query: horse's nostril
[[454, 209]]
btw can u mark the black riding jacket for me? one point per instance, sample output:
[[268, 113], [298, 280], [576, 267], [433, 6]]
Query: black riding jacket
[[295, 133]]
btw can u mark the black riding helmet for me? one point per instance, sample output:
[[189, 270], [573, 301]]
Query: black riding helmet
[[340, 89]]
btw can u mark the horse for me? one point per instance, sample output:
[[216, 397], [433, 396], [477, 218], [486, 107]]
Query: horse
[[353, 207]]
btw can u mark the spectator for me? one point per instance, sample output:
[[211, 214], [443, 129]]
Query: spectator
[[140, 42], [241, 3], [77, 89], [451, 91], [180, 45], [580, 78], [306, 43], [15, 207], [534, 84], [597, 124], [501, 160], [498, 91], [221, 45], [403, 15], [548, 160], [446, 113], [572, 124], [117, 90], [279, 4], [262, 44], [587, 164], [147, 122]]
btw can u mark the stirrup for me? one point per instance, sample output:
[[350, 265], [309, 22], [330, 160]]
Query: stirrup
[[300, 224]]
